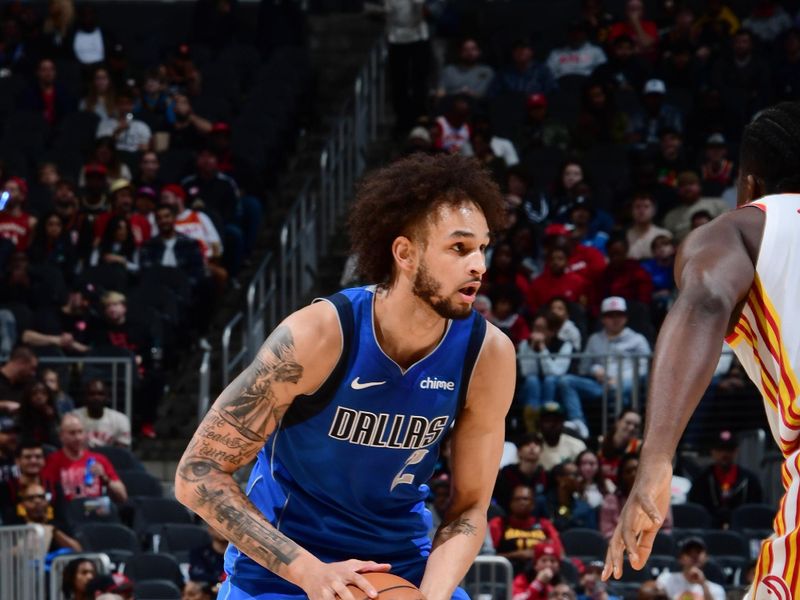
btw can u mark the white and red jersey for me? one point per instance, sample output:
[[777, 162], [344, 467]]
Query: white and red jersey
[[16, 228], [766, 339], [451, 139], [198, 226]]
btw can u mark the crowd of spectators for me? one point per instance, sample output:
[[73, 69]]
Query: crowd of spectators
[[130, 191], [613, 133]]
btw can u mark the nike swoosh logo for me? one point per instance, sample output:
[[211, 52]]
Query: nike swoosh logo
[[357, 385]]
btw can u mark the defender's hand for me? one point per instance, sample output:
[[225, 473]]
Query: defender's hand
[[641, 518], [327, 581]]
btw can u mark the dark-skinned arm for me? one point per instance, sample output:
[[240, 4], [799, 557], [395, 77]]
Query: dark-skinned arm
[[296, 358], [714, 272]]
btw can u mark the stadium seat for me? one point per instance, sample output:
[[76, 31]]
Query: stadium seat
[[726, 543], [179, 540], [569, 571], [105, 276], [664, 544], [733, 568], [690, 516], [156, 589], [752, 516], [121, 459], [583, 541], [661, 562], [149, 565], [141, 483], [631, 575], [713, 571], [92, 510], [151, 513], [114, 539]]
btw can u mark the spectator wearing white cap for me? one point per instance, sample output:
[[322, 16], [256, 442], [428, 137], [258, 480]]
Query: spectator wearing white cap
[[615, 341], [717, 172], [656, 114]]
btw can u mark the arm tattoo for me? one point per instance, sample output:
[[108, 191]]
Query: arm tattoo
[[460, 525], [230, 435], [254, 410], [245, 531]]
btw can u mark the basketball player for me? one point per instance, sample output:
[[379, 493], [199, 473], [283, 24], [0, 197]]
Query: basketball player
[[347, 401], [739, 279]]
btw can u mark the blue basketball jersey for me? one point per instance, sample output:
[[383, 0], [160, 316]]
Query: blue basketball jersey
[[344, 474]]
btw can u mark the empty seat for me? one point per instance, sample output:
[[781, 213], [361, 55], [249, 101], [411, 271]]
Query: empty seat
[[156, 589], [121, 458], [179, 540], [726, 543], [661, 562], [752, 516], [583, 541], [92, 510], [733, 568], [151, 513], [714, 572], [691, 516], [141, 483], [664, 544], [149, 565], [114, 539]]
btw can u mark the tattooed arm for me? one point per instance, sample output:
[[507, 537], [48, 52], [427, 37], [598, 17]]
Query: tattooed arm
[[296, 359], [477, 447]]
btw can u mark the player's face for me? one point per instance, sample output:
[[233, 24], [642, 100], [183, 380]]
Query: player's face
[[451, 265]]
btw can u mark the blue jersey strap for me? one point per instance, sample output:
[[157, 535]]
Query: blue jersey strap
[[305, 407], [476, 336]]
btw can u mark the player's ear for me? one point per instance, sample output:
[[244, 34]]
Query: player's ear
[[750, 188], [405, 253]]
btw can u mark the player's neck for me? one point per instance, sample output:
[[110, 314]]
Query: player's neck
[[405, 328]]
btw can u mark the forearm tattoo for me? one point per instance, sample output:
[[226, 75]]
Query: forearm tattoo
[[458, 526], [252, 408]]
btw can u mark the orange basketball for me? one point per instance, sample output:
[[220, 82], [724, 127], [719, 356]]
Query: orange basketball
[[389, 587]]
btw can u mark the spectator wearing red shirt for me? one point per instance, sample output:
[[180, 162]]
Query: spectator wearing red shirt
[[643, 32], [16, 225], [515, 536], [121, 192], [506, 301], [582, 260], [555, 281], [545, 575], [504, 268], [81, 473], [624, 276]]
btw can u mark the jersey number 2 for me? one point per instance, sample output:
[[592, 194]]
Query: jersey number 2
[[402, 476]]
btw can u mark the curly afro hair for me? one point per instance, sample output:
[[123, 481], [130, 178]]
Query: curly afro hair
[[394, 200]]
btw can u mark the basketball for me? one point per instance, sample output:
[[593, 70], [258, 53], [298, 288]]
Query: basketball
[[389, 587]]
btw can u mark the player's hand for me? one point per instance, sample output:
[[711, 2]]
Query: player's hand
[[641, 517], [327, 581]]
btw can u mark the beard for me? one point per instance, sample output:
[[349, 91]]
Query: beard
[[427, 289]]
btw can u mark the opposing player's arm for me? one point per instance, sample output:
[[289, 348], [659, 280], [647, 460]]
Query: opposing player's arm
[[296, 359], [477, 446], [714, 272]]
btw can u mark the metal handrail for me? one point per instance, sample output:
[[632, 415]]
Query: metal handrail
[[22, 554], [114, 361], [204, 385]]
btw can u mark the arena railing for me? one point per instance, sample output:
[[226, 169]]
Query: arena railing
[[283, 281], [613, 397], [489, 578], [120, 371], [22, 568], [102, 565]]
